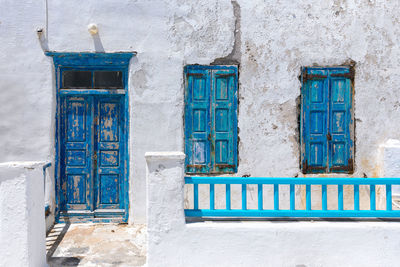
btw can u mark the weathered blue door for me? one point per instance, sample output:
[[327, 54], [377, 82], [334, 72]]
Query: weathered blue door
[[92, 146], [91, 164]]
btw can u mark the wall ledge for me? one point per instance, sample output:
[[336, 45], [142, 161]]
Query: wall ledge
[[23, 164], [167, 155]]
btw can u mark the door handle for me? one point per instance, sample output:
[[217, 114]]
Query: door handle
[[329, 136], [209, 137], [95, 160]]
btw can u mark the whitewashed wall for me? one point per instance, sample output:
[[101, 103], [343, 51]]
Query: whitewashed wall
[[270, 39], [22, 222]]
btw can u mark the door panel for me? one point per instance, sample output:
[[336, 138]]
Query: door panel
[[76, 147], [108, 152]]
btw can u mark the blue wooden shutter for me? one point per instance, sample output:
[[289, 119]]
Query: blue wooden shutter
[[211, 119], [340, 121], [327, 120], [315, 114], [223, 113], [197, 121]]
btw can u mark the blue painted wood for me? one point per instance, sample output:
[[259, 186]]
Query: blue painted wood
[[326, 120], [372, 197], [276, 196], [92, 153], [91, 92], [92, 62], [198, 122], [340, 197], [292, 212], [388, 197], [324, 198], [356, 197], [308, 197], [196, 196], [224, 120], [212, 197], [244, 196], [260, 196], [228, 196], [85, 60], [76, 148], [211, 119], [292, 197], [296, 181], [109, 152]]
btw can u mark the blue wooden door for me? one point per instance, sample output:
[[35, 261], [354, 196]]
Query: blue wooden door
[[92, 152]]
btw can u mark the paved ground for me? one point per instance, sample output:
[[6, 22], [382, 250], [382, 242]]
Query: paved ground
[[96, 245]]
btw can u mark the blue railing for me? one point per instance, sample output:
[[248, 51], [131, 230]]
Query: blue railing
[[340, 212]]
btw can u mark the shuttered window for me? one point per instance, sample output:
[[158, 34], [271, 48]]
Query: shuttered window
[[211, 119], [327, 120]]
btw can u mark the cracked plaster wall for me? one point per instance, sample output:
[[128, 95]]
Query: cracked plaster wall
[[271, 40]]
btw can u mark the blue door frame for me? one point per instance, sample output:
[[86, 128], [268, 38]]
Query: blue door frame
[[89, 207]]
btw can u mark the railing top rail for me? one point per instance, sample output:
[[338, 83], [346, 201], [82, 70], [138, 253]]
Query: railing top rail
[[292, 180]]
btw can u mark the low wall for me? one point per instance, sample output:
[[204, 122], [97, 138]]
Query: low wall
[[22, 223], [173, 242]]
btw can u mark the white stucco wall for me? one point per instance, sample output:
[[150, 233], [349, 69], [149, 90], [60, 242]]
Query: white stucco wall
[[172, 242], [270, 39], [390, 160], [22, 223]]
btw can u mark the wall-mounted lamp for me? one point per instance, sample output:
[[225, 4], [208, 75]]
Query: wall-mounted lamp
[[39, 32], [92, 28]]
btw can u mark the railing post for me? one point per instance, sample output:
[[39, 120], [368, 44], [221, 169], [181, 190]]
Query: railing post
[[260, 196], [324, 198], [196, 196], [244, 197], [292, 197], [372, 197], [340, 197], [276, 196], [388, 197], [212, 197], [356, 197], [228, 196], [308, 197]]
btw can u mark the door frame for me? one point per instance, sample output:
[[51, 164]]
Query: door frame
[[92, 61]]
